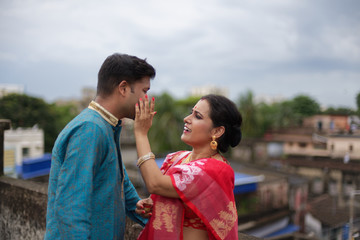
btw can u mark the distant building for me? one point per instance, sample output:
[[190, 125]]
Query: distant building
[[328, 123], [269, 99], [326, 150], [210, 89], [6, 89], [87, 95], [19, 144]]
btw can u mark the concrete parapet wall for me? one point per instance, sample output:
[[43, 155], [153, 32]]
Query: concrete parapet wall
[[23, 211]]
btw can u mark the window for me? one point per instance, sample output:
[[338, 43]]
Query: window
[[319, 146], [26, 152], [302, 144], [351, 148]]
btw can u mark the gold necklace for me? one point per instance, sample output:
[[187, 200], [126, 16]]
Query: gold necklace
[[187, 160]]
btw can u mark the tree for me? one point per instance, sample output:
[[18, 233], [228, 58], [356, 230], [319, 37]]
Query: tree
[[168, 124], [339, 111], [249, 111], [305, 106], [27, 111]]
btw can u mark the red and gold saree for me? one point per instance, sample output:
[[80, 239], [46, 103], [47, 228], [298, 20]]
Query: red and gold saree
[[206, 187]]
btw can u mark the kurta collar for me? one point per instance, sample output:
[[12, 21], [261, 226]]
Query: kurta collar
[[110, 118]]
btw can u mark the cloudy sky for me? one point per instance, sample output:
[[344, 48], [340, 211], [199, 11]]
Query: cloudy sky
[[275, 48]]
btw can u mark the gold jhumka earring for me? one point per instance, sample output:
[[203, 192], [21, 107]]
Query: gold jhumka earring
[[213, 143]]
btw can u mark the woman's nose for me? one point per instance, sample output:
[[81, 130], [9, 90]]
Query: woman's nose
[[186, 119]]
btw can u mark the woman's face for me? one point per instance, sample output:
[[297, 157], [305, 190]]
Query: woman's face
[[198, 125]]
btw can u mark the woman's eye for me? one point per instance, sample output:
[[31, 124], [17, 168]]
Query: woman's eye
[[197, 116]]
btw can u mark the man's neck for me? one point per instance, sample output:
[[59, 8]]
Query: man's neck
[[108, 116], [110, 105]]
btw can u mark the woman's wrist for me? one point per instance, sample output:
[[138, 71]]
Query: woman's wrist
[[144, 158], [140, 135]]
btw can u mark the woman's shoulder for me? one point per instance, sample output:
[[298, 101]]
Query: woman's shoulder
[[216, 165], [171, 157]]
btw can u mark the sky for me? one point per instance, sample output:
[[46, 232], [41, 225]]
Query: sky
[[277, 49]]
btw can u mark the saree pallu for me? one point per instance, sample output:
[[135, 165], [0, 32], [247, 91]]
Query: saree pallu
[[206, 187]]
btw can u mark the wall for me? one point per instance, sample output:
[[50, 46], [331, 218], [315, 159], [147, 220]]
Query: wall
[[342, 145], [23, 210], [16, 140]]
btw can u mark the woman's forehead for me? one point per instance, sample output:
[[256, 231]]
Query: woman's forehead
[[202, 106]]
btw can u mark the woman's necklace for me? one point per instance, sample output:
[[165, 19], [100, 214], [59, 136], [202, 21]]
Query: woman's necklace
[[187, 160]]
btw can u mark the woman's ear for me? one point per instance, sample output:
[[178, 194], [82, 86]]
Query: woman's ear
[[218, 131]]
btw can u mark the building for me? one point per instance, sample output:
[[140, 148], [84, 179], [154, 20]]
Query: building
[[210, 89], [325, 150], [20, 144], [6, 89]]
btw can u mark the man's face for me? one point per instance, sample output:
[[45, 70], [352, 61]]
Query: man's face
[[137, 90]]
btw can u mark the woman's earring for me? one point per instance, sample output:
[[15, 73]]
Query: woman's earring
[[213, 143]]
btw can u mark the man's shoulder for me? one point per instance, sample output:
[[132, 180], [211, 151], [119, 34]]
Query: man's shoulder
[[87, 122], [88, 117]]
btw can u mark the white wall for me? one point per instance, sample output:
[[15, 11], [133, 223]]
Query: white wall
[[18, 139]]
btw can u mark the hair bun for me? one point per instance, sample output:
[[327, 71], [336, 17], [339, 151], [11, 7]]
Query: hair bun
[[236, 136]]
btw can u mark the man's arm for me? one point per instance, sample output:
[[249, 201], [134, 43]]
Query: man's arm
[[131, 198]]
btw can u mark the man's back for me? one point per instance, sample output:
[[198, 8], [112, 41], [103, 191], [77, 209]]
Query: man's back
[[85, 197]]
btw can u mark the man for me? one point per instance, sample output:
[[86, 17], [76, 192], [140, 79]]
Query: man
[[89, 189]]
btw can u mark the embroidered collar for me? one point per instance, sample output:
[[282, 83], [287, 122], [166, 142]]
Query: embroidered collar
[[104, 113]]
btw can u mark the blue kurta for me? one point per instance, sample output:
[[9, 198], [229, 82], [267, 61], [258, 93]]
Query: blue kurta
[[89, 190]]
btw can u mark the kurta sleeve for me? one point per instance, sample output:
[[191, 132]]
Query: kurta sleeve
[[75, 184], [131, 198]]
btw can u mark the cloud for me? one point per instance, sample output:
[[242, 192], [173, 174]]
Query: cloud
[[266, 46]]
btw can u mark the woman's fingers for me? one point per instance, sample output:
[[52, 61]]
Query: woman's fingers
[[137, 110], [145, 108], [144, 207], [152, 105], [141, 104]]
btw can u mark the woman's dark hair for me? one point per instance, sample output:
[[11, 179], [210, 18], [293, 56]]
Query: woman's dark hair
[[118, 67], [223, 112]]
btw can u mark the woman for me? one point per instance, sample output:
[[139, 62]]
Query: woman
[[193, 191]]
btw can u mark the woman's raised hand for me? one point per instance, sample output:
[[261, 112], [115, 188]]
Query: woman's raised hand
[[144, 114]]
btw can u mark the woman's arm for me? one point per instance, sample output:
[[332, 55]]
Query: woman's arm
[[155, 181]]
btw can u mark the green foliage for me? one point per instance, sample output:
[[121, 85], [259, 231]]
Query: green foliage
[[261, 117], [164, 136], [168, 123], [358, 103], [339, 111], [250, 115], [305, 106], [26, 111], [247, 204]]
